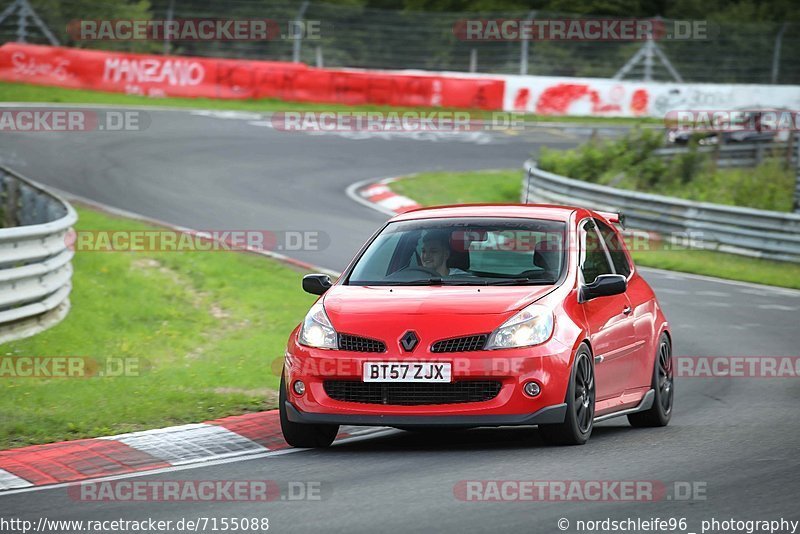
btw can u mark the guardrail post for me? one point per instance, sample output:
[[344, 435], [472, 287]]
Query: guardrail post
[[11, 204], [797, 182]]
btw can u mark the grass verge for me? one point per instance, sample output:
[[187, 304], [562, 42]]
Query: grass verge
[[203, 327], [21, 92], [504, 186]]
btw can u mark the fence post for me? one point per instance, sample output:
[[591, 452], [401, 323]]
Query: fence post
[[523, 54], [298, 32], [776, 55], [22, 23], [170, 16], [320, 62]]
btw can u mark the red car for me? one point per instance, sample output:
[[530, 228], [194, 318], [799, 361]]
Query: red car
[[481, 315]]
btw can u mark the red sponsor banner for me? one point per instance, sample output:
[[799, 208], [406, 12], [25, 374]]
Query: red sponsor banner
[[177, 76]]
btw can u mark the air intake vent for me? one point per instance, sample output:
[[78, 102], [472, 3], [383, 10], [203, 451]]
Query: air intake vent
[[460, 344], [360, 344], [412, 394]]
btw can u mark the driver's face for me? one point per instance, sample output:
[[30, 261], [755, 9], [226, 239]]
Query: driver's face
[[434, 256]]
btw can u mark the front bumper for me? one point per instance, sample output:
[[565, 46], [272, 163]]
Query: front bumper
[[547, 415], [548, 364]]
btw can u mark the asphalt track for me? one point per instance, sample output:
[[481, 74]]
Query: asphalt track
[[737, 439]]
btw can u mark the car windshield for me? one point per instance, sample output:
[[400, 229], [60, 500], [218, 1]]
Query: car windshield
[[464, 251]]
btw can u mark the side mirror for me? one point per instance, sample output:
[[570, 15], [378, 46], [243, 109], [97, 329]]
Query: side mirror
[[316, 284], [604, 286]]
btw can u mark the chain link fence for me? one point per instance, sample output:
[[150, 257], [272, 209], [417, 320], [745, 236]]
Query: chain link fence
[[375, 38]]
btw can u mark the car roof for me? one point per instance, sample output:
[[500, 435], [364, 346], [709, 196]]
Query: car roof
[[528, 211]]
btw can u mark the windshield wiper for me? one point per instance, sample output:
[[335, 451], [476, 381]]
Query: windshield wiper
[[423, 282], [521, 282], [433, 281]]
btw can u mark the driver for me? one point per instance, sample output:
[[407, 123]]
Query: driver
[[436, 252]]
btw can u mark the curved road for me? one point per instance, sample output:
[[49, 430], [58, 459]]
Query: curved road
[[734, 439]]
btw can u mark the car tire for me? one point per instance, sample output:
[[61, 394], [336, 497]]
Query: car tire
[[579, 421], [303, 435], [664, 386]]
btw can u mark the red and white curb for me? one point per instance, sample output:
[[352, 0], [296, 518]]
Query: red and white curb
[[377, 194], [148, 450]]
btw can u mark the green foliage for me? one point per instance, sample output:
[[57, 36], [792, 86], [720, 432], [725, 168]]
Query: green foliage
[[628, 162], [59, 15]]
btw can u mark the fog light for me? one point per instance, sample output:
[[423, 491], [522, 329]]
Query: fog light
[[531, 389], [299, 387]]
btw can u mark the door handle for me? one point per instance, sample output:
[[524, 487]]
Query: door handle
[[627, 310]]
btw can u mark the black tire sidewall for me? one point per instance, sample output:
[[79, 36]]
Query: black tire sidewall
[[572, 412], [664, 417]]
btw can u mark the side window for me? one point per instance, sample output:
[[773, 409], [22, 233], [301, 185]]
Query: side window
[[595, 259], [615, 249]]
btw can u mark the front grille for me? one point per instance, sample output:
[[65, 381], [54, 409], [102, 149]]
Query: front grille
[[460, 344], [360, 344], [412, 394]]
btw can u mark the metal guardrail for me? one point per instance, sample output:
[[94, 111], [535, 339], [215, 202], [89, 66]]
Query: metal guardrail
[[35, 268], [737, 230], [738, 154]]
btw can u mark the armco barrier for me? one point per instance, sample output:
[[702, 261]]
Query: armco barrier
[[745, 231], [160, 76], [737, 154], [35, 268]]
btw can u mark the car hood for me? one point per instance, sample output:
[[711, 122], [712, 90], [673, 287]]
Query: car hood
[[434, 312], [424, 300]]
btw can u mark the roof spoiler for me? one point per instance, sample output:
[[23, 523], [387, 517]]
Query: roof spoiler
[[615, 218]]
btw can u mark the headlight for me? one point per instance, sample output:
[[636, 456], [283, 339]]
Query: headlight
[[531, 326], [317, 330]]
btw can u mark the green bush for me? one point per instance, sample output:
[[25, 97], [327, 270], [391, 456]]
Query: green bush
[[628, 162]]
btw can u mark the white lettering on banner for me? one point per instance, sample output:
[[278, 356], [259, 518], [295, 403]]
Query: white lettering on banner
[[172, 72], [29, 66]]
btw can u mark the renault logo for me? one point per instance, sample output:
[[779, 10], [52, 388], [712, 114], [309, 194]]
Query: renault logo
[[409, 341]]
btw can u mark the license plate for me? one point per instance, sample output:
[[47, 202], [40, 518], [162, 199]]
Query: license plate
[[407, 372]]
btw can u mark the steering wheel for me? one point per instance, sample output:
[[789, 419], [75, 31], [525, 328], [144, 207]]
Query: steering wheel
[[421, 269]]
